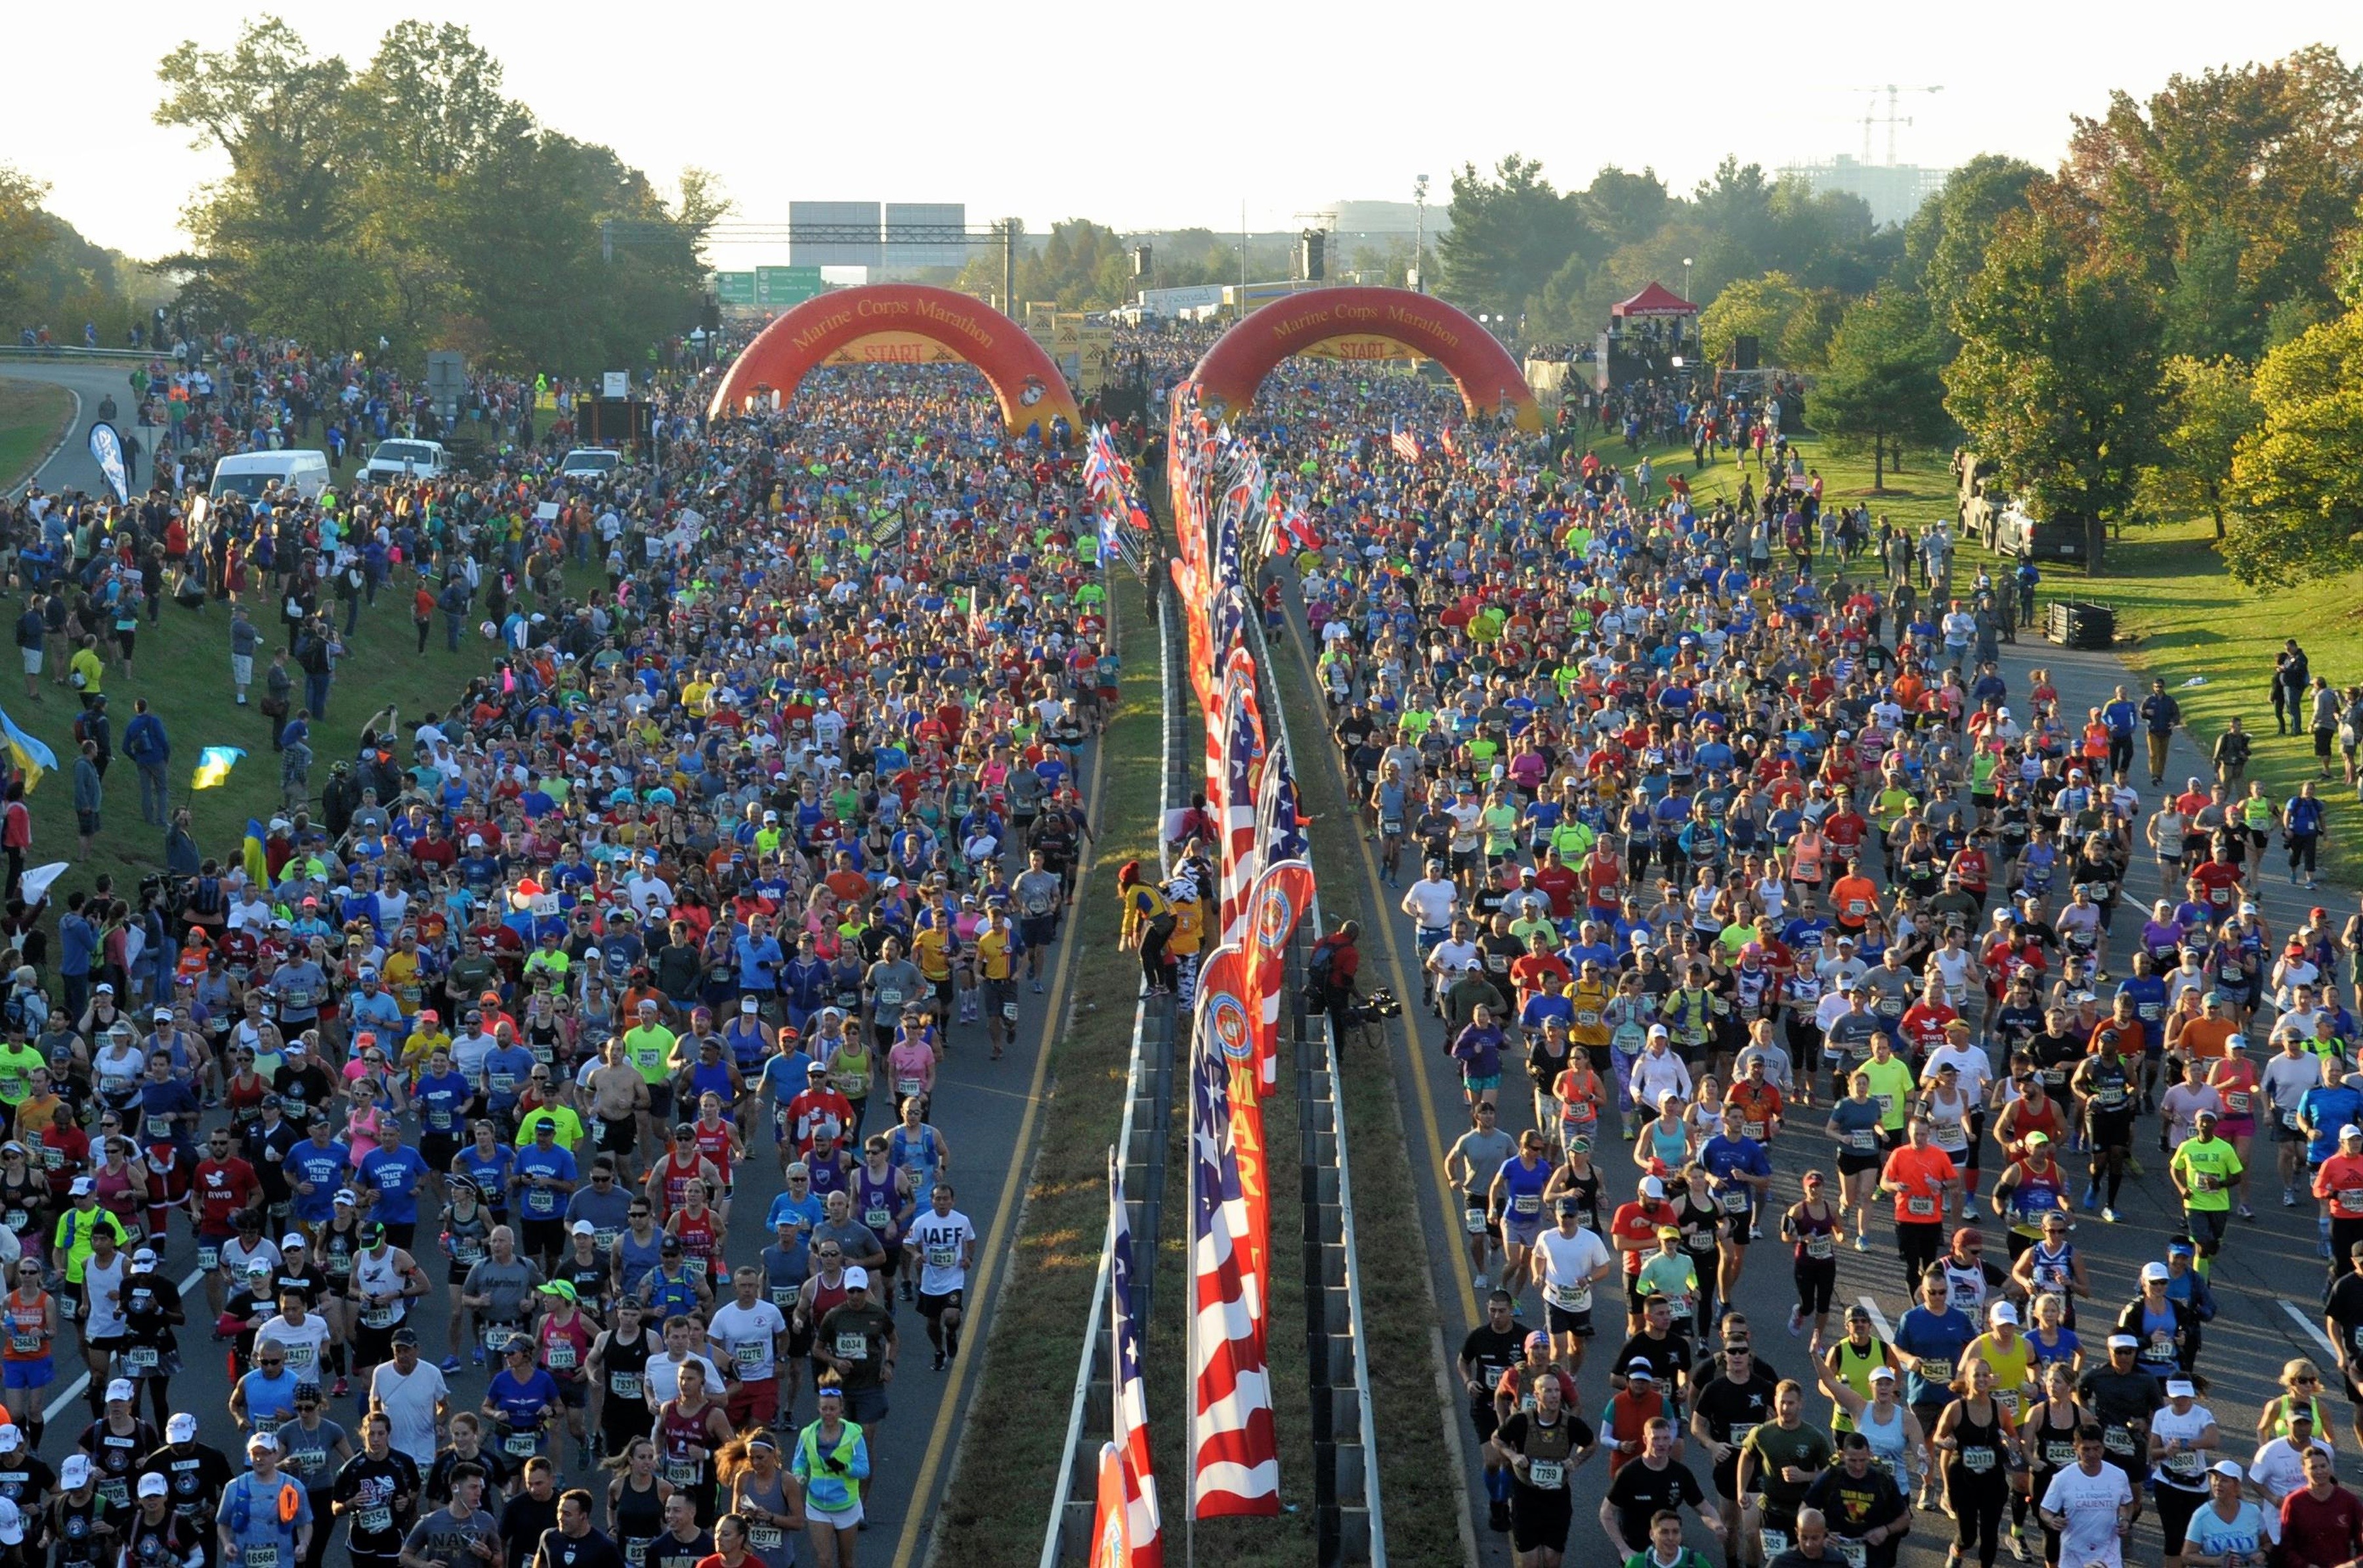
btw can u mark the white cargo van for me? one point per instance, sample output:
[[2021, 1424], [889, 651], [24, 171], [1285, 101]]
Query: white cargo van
[[248, 473]]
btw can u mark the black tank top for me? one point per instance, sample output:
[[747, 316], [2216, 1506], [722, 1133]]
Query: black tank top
[[625, 1368], [2051, 1446], [1979, 1460], [640, 1519]]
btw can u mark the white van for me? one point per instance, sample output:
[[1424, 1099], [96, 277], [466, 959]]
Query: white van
[[248, 473]]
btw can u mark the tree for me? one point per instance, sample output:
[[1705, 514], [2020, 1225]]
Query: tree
[[1883, 386], [1752, 307], [1510, 232], [2057, 376], [2211, 404], [1944, 242], [2298, 477]]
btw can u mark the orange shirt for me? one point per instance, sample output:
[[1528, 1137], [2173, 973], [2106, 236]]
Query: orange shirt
[[1752, 1106], [2234, 1078], [2203, 1037], [1919, 1176], [1854, 898], [2341, 1181]]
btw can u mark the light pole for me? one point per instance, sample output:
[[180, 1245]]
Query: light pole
[[1419, 234], [1686, 280]]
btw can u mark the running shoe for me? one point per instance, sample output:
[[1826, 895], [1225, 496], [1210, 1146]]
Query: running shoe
[[1796, 1322], [2247, 1213], [450, 1363], [2110, 1215]]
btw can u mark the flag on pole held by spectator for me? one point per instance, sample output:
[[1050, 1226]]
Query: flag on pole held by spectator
[[213, 764], [1138, 1504], [258, 865], [1233, 1449], [31, 756], [1403, 444]]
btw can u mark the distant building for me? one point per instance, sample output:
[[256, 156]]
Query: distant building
[[854, 241], [907, 254], [1893, 191], [1388, 220]]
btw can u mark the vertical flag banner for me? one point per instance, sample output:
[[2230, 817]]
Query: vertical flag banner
[[251, 855], [1224, 1011], [106, 451], [1233, 1449], [1235, 806], [33, 756], [1143, 1531], [1282, 893], [1110, 1532]]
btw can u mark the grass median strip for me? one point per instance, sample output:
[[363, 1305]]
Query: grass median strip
[[1006, 1480]]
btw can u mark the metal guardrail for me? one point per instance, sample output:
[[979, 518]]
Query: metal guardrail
[[1148, 1112], [61, 353], [1349, 1527]]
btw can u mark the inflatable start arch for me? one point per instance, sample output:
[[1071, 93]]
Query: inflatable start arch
[[1366, 324], [902, 324]]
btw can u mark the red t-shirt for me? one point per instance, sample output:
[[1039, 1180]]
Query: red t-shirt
[[223, 1187], [1919, 1176], [2316, 1532], [1639, 1222], [2221, 882]]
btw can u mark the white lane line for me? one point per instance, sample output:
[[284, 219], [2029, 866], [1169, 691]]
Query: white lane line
[[1878, 1320], [73, 1390], [2313, 1330]]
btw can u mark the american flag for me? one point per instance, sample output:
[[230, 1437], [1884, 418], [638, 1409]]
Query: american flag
[[1234, 1450], [1404, 444], [1276, 808], [1282, 896], [1131, 1393], [1243, 769]]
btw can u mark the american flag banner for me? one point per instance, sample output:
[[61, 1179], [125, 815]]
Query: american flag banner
[[1243, 770], [1283, 836], [1233, 1449], [1282, 896], [1403, 444], [1143, 1547]]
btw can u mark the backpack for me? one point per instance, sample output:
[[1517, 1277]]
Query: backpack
[[1321, 972]]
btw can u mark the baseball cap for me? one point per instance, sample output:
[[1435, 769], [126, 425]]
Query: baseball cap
[[75, 1471], [2002, 1312], [2123, 1342], [406, 1337], [152, 1485], [2153, 1272], [1638, 1371], [583, 1228], [143, 1259], [12, 1524], [181, 1428], [557, 1287], [119, 1389], [1882, 1370], [857, 1278], [11, 1437], [261, 1442], [83, 1186]]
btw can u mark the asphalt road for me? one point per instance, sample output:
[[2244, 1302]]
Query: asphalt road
[[71, 468], [2268, 1282]]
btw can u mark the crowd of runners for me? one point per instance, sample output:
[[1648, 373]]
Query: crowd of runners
[[1775, 917], [463, 1096]]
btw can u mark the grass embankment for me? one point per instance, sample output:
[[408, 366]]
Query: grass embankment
[[33, 415], [1419, 1494], [181, 666], [1006, 1479]]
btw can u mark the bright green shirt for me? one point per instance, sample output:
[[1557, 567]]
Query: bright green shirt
[[2207, 1166], [1890, 1085], [16, 1064]]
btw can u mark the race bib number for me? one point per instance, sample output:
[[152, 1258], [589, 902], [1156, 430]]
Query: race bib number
[[2351, 1198], [1863, 1140], [1740, 1430], [375, 1520], [1920, 1208], [765, 1538], [438, 1118], [941, 1257], [559, 1355], [877, 1218], [1753, 1130], [889, 996], [2201, 1181], [2184, 1463], [1527, 1203], [853, 1347], [468, 1249], [140, 1359], [259, 1557], [208, 1257], [1936, 1369], [748, 1354], [2237, 1102], [1776, 1541], [906, 1087], [1474, 1219], [1734, 1200], [2118, 1439], [2289, 1119], [1977, 1461], [1951, 1138], [635, 1553], [1568, 1297], [681, 1472], [521, 1445], [1821, 1248], [25, 1343], [1854, 1553], [1009, 1012], [625, 1385], [1547, 1474], [382, 1316]]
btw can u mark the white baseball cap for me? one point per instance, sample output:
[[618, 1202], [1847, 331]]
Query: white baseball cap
[[857, 1278], [152, 1485], [181, 1428], [74, 1472], [12, 1524], [119, 1389]]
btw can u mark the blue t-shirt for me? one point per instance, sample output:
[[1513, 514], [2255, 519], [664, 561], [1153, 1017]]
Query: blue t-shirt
[[442, 1100], [1940, 1337], [395, 1174], [504, 1076], [522, 1403], [543, 1202], [325, 1168]]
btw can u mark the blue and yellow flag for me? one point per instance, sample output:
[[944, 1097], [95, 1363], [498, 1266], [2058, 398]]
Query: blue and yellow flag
[[213, 764], [27, 752], [258, 868]]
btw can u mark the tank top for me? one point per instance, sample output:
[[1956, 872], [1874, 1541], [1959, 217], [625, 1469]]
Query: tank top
[[625, 1368], [701, 1240], [771, 1542], [2054, 1270], [1816, 1240], [469, 1239], [714, 1142], [639, 1257], [1979, 1461], [918, 1156], [376, 1275], [678, 1434], [335, 1250], [1886, 1439], [676, 1178], [849, 1070], [1854, 1366], [670, 1294], [827, 1297], [2235, 1084], [17, 1198], [2035, 1195], [2050, 1445], [746, 1046], [639, 1518], [875, 1201], [564, 1347], [827, 1177], [26, 1341]]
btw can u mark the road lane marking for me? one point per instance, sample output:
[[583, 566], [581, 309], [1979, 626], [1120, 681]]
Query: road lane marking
[[2313, 1330], [73, 1390], [1877, 1319]]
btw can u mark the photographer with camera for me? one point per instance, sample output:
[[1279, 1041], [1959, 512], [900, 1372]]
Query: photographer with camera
[[1331, 971]]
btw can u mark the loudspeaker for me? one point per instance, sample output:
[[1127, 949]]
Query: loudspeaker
[[1143, 259], [1312, 257], [1744, 352]]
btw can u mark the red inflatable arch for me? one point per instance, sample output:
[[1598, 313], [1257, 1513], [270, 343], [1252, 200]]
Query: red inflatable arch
[[902, 324], [1366, 324]]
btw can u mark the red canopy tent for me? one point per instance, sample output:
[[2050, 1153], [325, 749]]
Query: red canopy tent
[[1657, 300]]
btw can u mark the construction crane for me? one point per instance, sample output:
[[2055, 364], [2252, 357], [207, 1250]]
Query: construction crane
[[1870, 114]]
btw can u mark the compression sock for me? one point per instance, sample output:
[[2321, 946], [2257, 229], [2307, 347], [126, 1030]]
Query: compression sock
[[2116, 1184], [2018, 1510], [951, 1341], [1497, 1486]]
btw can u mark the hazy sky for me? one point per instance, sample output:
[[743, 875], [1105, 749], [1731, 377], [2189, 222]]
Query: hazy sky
[[1284, 104]]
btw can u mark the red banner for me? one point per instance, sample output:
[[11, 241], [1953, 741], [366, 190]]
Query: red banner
[[1111, 1533], [1224, 1007], [1283, 894]]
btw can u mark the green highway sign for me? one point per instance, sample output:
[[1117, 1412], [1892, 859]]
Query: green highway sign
[[786, 285], [734, 288]]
